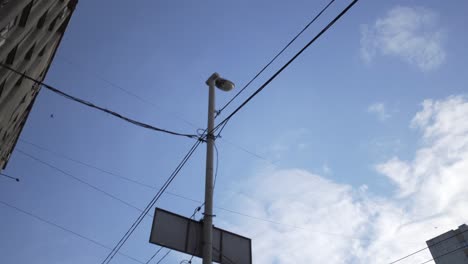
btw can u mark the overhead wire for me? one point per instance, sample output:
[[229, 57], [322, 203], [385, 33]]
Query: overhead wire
[[77, 179], [43, 220], [63, 156], [66, 173], [276, 56], [127, 91], [159, 261], [138, 182], [102, 109], [258, 156], [242, 214], [189, 154], [149, 260], [422, 249], [10, 177], [325, 29], [445, 254], [151, 203]]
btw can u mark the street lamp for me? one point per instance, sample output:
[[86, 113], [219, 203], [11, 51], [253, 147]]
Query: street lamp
[[224, 85]]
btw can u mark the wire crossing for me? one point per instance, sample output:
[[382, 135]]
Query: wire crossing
[[195, 146], [135, 224], [102, 109]]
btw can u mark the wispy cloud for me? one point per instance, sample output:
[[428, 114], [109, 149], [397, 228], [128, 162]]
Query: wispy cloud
[[329, 222], [380, 110], [412, 34]]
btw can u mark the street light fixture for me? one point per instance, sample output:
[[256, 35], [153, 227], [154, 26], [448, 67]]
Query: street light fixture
[[224, 85]]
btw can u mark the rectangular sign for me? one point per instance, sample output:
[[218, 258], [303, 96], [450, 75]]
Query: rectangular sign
[[186, 235]]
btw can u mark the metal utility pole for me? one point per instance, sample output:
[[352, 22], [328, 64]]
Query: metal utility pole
[[225, 85]]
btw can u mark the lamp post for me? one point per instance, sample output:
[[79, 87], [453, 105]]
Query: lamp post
[[225, 85]]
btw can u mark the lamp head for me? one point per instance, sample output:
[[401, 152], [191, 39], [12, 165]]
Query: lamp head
[[224, 84]]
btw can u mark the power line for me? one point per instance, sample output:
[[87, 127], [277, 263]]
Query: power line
[[445, 254], [9, 177], [276, 56], [89, 104], [127, 91], [149, 260], [77, 179], [87, 164], [151, 203], [65, 229], [164, 257], [106, 171], [409, 255], [185, 197], [248, 151], [287, 64], [422, 249], [74, 177]]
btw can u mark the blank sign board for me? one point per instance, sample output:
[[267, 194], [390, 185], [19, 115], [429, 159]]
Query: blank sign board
[[185, 235]]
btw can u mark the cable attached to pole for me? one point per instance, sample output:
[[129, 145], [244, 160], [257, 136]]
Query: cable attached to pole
[[102, 109]]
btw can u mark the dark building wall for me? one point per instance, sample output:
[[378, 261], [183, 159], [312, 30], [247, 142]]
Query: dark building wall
[[450, 247], [30, 33]]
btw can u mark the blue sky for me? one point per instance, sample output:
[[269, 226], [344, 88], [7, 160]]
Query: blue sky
[[347, 145]]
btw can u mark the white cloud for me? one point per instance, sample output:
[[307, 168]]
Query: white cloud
[[342, 224], [412, 34], [380, 110]]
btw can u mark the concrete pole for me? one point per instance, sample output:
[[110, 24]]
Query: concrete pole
[[208, 215]]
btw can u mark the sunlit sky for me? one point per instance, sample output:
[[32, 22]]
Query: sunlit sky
[[361, 143]]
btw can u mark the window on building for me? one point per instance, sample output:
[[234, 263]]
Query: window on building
[[52, 24], [30, 52], [63, 13], [41, 53], [25, 14], [2, 86], [4, 32], [11, 56], [41, 22], [20, 80], [42, 74], [4, 3]]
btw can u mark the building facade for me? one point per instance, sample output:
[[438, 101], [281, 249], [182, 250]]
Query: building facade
[[30, 33], [450, 247]]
